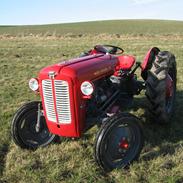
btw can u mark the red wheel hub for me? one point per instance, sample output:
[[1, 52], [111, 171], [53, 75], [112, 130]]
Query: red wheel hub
[[124, 144]]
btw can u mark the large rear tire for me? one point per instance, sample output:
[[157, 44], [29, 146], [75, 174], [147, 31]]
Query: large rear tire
[[118, 142], [161, 88], [23, 128]]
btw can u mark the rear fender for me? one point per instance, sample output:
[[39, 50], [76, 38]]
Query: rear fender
[[148, 60]]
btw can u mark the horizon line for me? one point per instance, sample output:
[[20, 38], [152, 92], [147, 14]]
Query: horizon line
[[88, 21]]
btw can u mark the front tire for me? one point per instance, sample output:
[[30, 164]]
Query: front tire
[[118, 142], [23, 129]]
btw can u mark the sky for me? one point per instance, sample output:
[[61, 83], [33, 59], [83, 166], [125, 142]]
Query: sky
[[30, 12]]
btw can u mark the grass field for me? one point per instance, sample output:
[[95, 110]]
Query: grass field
[[134, 27], [25, 50]]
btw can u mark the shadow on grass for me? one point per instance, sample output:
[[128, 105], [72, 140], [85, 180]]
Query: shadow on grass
[[3, 152], [4, 139], [166, 137]]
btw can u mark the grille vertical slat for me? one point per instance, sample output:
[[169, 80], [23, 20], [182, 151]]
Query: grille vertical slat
[[62, 101], [49, 100]]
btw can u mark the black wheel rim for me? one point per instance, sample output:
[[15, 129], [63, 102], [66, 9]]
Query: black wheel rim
[[121, 145], [27, 131]]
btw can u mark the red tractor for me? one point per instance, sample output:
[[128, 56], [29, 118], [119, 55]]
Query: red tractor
[[95, 89]]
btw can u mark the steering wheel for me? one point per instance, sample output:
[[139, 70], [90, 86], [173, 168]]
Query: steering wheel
[[114, 50]]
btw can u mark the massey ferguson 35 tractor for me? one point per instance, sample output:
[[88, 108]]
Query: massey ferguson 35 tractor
[[94, 89]]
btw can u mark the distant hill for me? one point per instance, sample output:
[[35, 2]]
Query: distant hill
[[97, 27]]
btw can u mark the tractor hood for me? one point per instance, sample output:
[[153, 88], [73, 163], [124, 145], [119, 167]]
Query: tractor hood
[[86, 68]]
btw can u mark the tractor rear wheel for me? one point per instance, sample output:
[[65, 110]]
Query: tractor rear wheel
[[161, 88], [118, 142], [23, 128]]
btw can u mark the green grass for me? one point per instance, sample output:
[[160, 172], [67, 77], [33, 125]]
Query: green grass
[[72, 160], [112, 27]]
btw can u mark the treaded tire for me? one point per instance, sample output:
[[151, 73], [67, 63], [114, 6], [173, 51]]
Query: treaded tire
[[23, 128], [107, 149], [161, 107]]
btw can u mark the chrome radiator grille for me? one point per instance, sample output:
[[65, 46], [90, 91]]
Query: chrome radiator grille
[[62, 101]]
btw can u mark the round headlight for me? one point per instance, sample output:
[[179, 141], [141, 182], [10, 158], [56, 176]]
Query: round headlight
[[87, 88], [33, 84]]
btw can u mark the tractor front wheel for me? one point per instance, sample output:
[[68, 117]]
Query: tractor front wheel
[[118, 142], [23, 128]]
